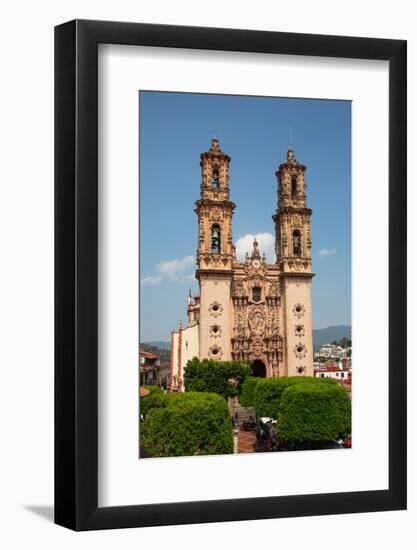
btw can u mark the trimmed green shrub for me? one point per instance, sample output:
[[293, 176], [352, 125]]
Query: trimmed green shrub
[[152, 389], [247, 394], [156, 398], [188, 424], [314, 413], [269, 391], [222, 377]]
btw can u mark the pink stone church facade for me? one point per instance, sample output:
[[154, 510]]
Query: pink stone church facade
[[249, 309]]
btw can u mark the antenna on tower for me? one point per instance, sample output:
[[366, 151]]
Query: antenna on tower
[[291, 137]]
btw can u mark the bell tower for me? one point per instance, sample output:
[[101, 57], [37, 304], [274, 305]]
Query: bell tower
[[293, 253], [215, 253]]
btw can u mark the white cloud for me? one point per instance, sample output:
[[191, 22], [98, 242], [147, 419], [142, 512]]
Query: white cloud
[[174, 269], [266, 242], [149, 280], [323, 252]]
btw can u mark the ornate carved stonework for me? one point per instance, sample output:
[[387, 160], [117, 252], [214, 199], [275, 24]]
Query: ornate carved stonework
[[297, 265], [256, 299], [299, 330], [215, 331], [215, 352], [300, 350], [297, 220], [257, 319], [238, 289], [216, 309], [246, 306], [274, 290], [216, 214], [298, 310], [240, 322], [257, 347]]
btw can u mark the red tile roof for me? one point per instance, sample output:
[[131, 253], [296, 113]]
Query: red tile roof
[[147, 355]]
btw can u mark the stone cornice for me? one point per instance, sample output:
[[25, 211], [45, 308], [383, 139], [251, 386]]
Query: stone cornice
[[207, 273], [290, 166], [292, 210], [297, 275], [211, 202], [215, 155]]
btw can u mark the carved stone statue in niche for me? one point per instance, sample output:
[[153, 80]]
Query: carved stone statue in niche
[[238, 288], [274, 290]]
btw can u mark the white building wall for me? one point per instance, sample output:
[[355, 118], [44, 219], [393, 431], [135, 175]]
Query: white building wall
[[189, 347], [174, 375], [336, 375]]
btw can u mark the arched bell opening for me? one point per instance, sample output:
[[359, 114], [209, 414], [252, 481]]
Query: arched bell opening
[[215, 239], [296, 243]]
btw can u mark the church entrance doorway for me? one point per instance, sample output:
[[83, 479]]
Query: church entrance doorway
[[258, 369]]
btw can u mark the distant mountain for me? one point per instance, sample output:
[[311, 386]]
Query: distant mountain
[[321, 336], [159, 344], [327, 335]]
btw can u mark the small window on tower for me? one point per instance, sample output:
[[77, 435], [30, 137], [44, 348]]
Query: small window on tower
[[256, 294], [296, 243], [215, 239], [294, 186], [215, 180]]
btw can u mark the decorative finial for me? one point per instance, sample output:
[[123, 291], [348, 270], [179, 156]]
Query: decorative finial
[[291, 157], [255, 253]]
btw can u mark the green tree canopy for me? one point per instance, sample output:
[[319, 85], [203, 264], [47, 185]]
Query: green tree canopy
[[222, 377], [156, 398], [247, 394], [269, 391], [194, 423], [314, 413]]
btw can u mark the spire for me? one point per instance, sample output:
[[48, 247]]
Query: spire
[[290, 137]]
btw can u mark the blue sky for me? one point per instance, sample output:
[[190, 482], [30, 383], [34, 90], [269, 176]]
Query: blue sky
[[175, 128]]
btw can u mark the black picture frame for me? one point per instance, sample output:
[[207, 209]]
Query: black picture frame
[[76, 272]]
